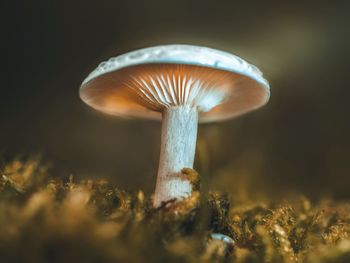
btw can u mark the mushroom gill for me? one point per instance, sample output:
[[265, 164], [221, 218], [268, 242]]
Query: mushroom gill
[[160, 86]]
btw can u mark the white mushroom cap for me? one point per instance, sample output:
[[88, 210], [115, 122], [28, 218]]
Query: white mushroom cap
[[142, 83]]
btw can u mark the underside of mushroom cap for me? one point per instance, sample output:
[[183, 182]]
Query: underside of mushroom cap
[[142, 83]]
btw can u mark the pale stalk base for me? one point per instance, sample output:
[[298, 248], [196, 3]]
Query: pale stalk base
[[178, 145]]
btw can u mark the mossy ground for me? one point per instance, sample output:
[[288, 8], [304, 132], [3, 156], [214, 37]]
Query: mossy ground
[[45, 219]]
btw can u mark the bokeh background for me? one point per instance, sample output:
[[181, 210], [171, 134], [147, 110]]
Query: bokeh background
[[298, 143]]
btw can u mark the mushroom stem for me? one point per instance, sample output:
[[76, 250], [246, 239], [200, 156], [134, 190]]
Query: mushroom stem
[[178, 145]]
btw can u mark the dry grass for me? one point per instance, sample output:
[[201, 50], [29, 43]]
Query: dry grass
[[43, 219]]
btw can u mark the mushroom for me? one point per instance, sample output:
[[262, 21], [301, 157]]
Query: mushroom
[[180, 85]]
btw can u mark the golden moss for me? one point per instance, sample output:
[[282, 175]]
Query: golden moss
[[43, 219]]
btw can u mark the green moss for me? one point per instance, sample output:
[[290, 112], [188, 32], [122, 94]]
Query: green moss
[[44, 219]]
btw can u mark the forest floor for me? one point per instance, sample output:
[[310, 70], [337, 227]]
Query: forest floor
[[45, 219]]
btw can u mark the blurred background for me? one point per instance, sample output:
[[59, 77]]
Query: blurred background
[[298, 143]]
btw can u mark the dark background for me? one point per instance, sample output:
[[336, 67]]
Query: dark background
[[299, 142]]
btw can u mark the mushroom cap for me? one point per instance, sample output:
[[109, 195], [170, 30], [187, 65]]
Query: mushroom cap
[[143, 82]]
